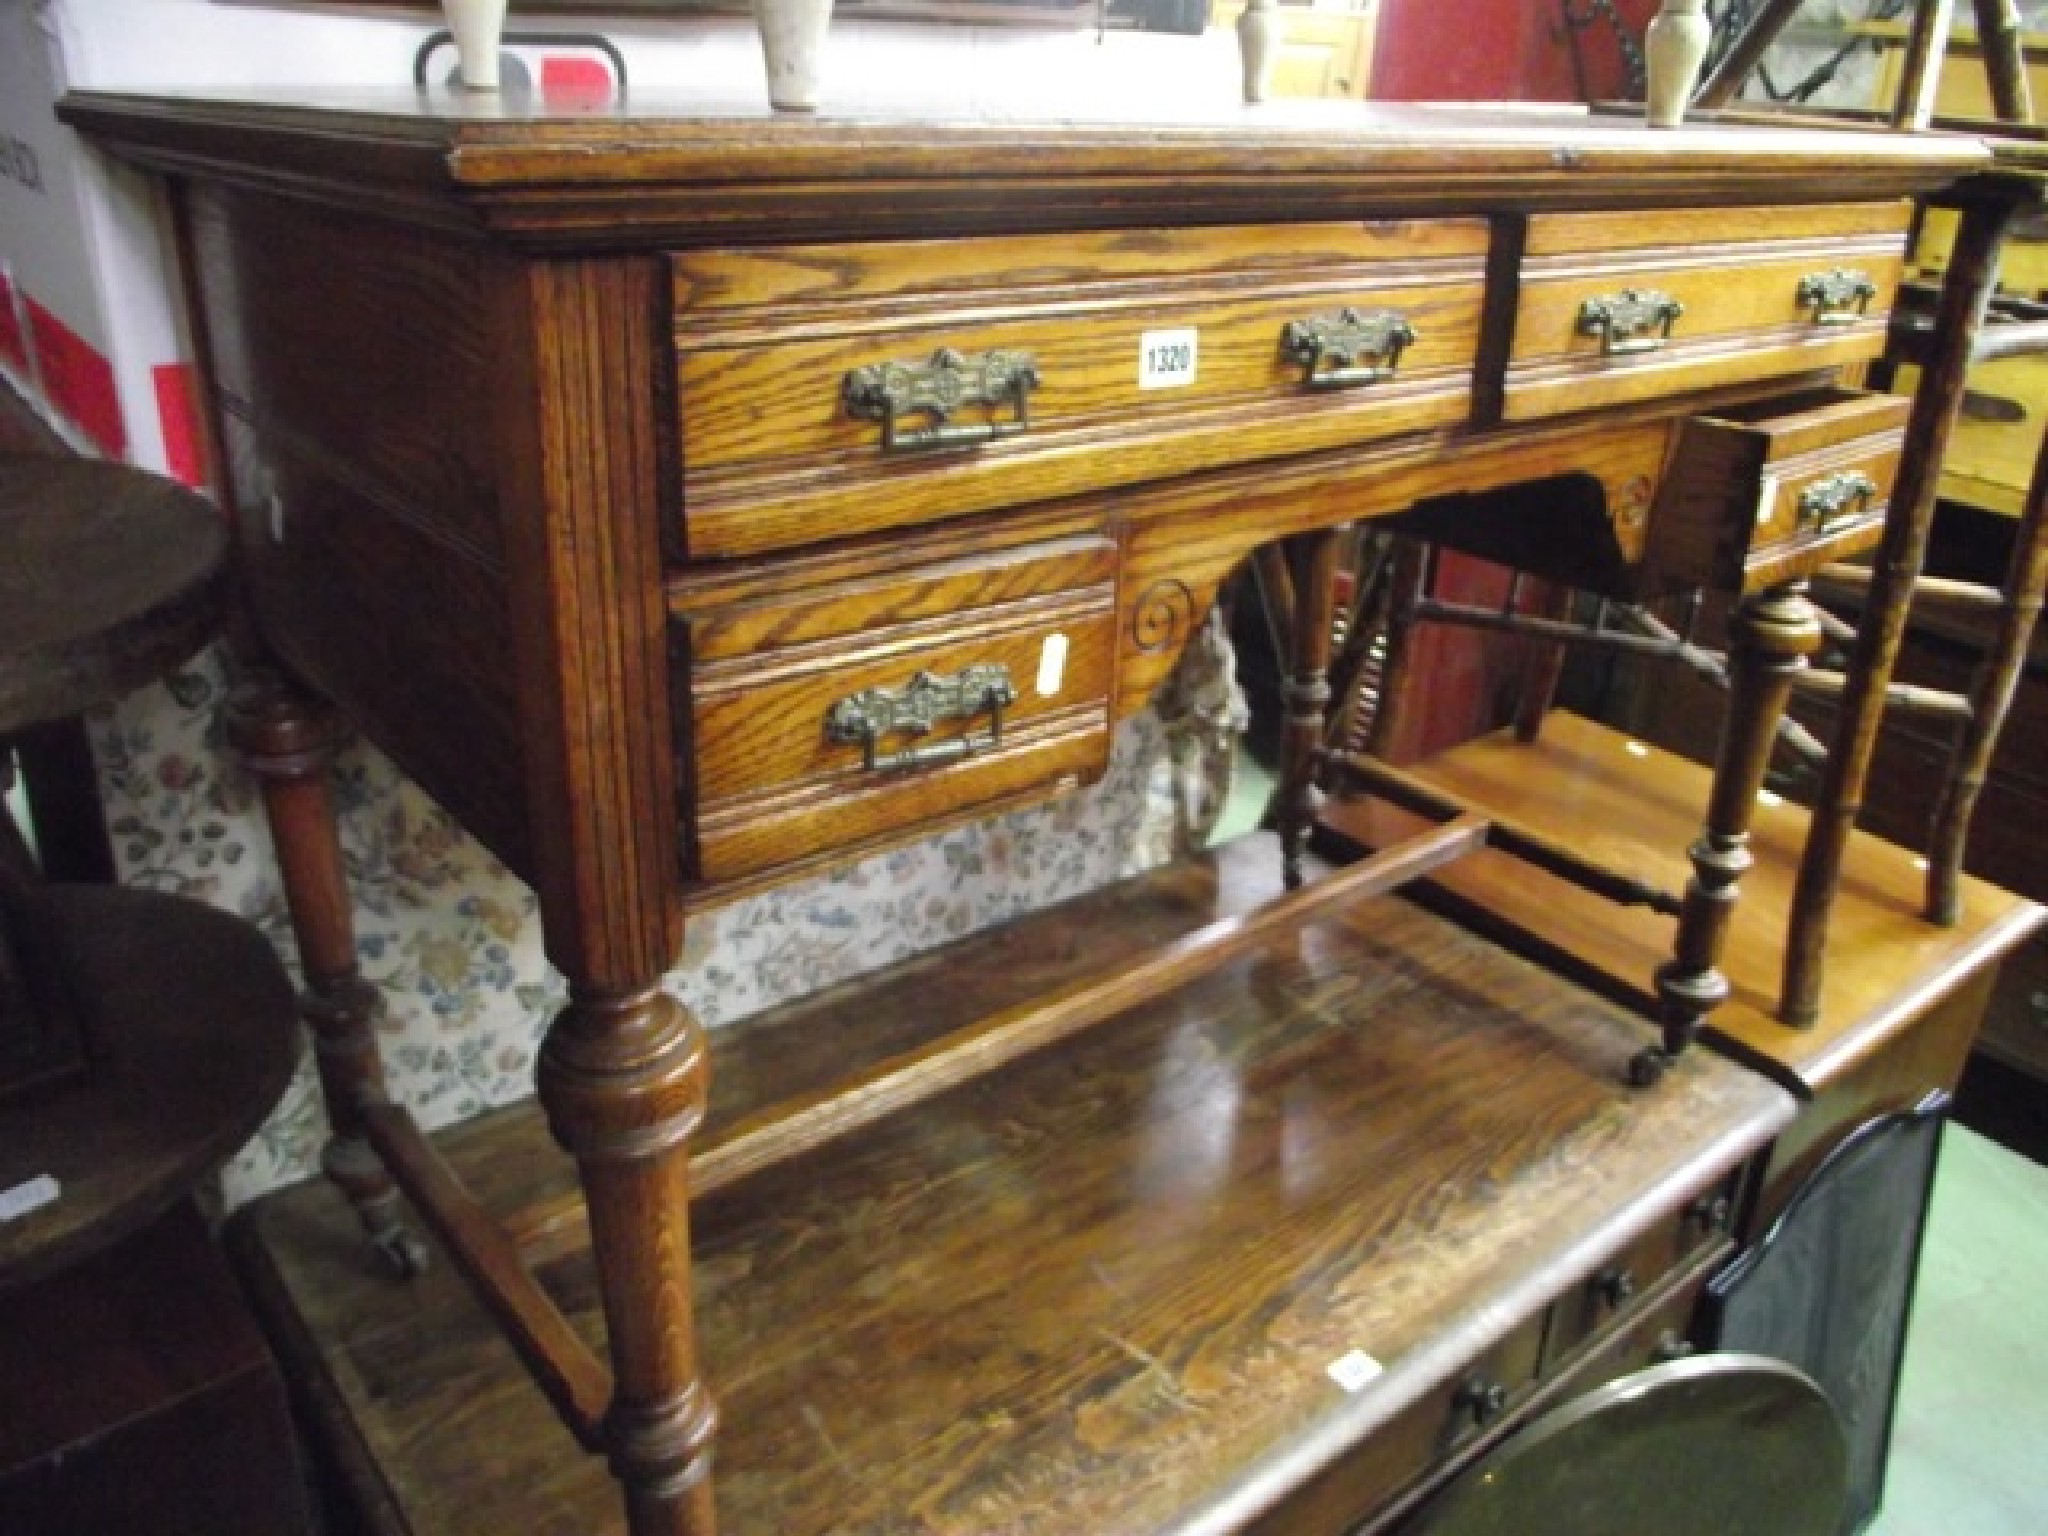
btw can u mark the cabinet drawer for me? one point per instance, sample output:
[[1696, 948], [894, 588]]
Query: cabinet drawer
[[830, 719], [1015, 369], [1622, 307], [1763, 492], [1640, 1274]]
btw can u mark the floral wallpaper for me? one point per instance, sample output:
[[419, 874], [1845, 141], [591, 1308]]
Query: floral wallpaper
[[453, 943]]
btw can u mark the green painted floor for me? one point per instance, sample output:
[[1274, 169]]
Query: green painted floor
[[1970, 1444]]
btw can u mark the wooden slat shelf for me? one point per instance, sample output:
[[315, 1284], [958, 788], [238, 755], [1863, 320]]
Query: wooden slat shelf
[[1097, 1289]]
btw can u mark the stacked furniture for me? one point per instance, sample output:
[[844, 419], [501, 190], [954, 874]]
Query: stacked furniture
[[691, 499]]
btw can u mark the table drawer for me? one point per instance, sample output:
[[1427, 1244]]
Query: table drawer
[[1769, 490], [1622, 307], [830, 719], [833, 390]]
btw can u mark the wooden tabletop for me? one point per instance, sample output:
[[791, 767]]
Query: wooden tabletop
[[1096, 1291], [109, 577], [192, 1027], [1636, 808]]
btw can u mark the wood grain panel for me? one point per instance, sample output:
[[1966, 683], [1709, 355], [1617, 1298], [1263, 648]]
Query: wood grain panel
[[1737, 272], [771, 455]]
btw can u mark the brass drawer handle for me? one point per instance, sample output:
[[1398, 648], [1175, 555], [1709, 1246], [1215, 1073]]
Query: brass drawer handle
[[1480, 1400], [1361, 348], [1839, 296], [866, 717], [945, 383], [1632, 321], [1836, 496]]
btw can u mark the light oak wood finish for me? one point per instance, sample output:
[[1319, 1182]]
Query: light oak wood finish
[[632, 333]]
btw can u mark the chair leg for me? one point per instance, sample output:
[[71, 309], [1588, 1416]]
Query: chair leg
[[1937, 403], [1772, 633], [1404, 590], [2005, 65], [1312, 567], [289, 743], [1991, 696]]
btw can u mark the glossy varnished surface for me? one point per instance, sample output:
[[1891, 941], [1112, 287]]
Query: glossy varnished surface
[[1097, 1291], [1632, 806]]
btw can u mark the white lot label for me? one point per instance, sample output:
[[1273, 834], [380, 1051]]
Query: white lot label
[[32, 1195], [1166, 359], [1052, 665], [1354, 1370]]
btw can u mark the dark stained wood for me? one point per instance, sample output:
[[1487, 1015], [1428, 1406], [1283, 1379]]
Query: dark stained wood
[[137, 1394], [111, 577], [1305, 690], [1895, 566], [189, 1024], [1098, 1290]]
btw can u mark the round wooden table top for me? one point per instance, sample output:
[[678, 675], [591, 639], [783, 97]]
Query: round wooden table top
[[109, 577], [192, 1026]]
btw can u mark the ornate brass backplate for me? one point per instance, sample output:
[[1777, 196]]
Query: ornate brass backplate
[[1839, 296], [937, 388], [1632, 321], [1358, 348], [864, 718]]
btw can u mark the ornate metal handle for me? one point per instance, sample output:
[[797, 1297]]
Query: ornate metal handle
[[1839, 296], [1836, 496], [866, 717], [1360, 348], [946, 382], [1631, 321]]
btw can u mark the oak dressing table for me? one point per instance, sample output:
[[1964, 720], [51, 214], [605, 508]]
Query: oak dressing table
[[691, 499]]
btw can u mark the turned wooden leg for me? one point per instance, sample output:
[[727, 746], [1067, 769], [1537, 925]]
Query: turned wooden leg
[[1937, 403], [289, 743], [1771, 636], [1312, 565], [623, 1078]]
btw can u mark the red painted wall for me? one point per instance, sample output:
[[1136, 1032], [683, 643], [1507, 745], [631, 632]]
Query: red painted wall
[[1496, 50]]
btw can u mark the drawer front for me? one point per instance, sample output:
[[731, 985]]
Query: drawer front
[[834, 390], [1771, 490], [830, 720], [1622, 307], [1636, 1277]]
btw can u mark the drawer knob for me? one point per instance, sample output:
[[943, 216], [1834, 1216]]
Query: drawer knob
[[1671, 1345], [943, 384], [1346, 348], [1711, 1213], [1614, 1287], [1836, 496], [1632, 321], [1480, 1400], [864, 718], [1839, 296]]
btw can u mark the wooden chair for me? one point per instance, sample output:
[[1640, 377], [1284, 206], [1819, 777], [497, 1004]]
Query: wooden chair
[[1942, 328]]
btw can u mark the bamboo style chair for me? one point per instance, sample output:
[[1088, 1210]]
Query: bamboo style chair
[[1942, 327]]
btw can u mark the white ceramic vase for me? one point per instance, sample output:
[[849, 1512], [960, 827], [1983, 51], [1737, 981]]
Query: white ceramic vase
[[793, 48], [1673, 46], [1258, 44], [479, 28]]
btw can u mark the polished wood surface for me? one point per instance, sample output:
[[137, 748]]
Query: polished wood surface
[[110, 578], [1097, 1290], [191, 1037], [635, 334], [1627, 804]]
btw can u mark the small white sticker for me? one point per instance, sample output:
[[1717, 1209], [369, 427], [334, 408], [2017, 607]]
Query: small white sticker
[[1166, 359], [38, 1192], [1354, 1370], [1052, 665], [1766, 498]]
